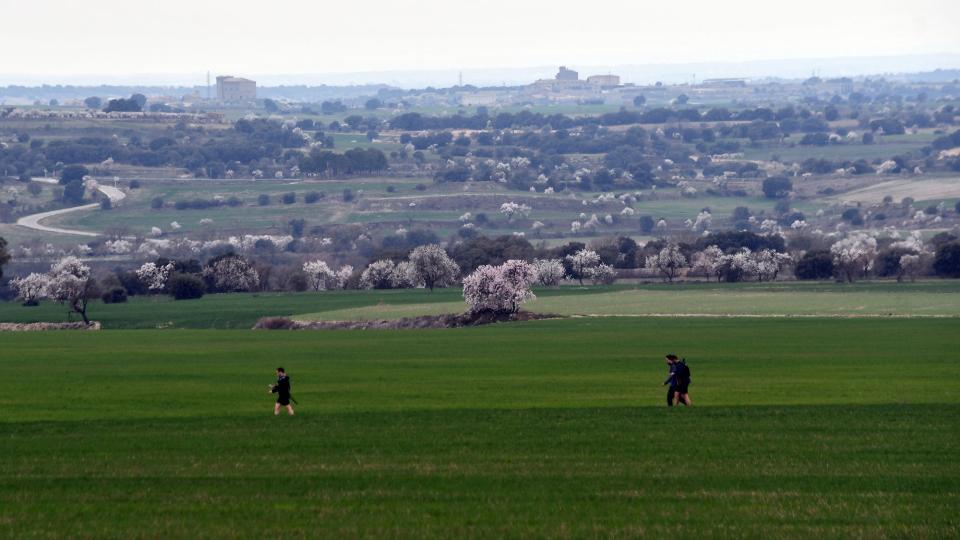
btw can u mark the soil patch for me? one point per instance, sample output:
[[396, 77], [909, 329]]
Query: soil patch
[[424, 321], [40, 326]]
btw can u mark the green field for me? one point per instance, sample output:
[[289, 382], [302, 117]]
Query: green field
[[240, 311], [925, 299], [829, 428]]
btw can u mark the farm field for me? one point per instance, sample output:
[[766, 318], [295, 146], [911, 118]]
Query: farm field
[[804, 427], [241, 311], [376, 205], [929, 299], [885, 147]]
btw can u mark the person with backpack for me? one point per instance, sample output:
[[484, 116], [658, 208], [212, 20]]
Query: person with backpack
[[282, 390], [671, 381], [682, 378]]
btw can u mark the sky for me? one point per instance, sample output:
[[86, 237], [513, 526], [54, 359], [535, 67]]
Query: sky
[[63, 40]]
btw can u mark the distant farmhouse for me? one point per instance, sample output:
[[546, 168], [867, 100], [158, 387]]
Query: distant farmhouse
[[232, 89]]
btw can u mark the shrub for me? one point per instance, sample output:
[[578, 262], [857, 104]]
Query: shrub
[[777, 187], [134, 184], [234, 202], [312, 196], [186, 286], [947, 261], [289, 198], [117, 295], [348, 195], [275, 323], [105, 203], [156, 203], [815, 265], [263, 200]]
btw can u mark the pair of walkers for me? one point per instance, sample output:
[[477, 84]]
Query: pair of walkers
[[678, 381]]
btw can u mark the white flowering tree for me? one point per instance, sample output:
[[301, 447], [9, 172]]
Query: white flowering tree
[[378, 275], [738, 266], [71, 284], [320, 276], [431, 266], [910, 266], [703, 222], [668, 262], [602, 274], [403, 276], [232, 273], [854, 255], [550, 272], [499, 289], [581, 262], [708, 262], [154, 277], [31, 289], [768, 263], [512, 209]]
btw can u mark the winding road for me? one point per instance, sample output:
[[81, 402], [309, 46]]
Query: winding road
[[33, 220]]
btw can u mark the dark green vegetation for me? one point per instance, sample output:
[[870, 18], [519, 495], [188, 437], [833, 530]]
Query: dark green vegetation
[[220, 311], [829, 428]]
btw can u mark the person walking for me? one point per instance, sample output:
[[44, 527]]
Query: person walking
[[282, 390], [682, 378], [671, 382]]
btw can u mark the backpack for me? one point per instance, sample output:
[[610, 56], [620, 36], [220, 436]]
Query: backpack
[[683, 371]]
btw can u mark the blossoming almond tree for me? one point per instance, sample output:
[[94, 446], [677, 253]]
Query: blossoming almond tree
[[153, 276], [31, 289], [550, 272], [581, 262], [431, 266], [854, 255], [499, 290], [70, 284], [378, 275], [320, 276], [668, 262]]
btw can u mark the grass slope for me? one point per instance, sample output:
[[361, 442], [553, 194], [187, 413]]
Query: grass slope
[[550, 429]]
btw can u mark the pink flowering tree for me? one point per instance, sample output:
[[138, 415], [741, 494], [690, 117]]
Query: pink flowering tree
[[499, 289]]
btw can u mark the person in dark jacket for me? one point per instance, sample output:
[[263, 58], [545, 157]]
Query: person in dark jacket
[[671, 382], [682, 377], [282, 390]]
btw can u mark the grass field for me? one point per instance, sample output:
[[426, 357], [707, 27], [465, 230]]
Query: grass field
[[828, 428], [241, 311]]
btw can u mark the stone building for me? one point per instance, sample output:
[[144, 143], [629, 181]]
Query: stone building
[[235, 89]]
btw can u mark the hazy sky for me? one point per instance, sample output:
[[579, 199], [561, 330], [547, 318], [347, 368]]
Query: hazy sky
[[64, 38]]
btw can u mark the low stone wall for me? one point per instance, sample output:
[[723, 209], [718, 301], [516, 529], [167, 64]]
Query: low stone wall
[[40, 326]]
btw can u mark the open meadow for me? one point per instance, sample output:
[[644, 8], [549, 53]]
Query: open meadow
[[841, 426]]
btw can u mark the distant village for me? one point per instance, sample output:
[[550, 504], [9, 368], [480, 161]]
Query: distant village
[[567, 87]]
